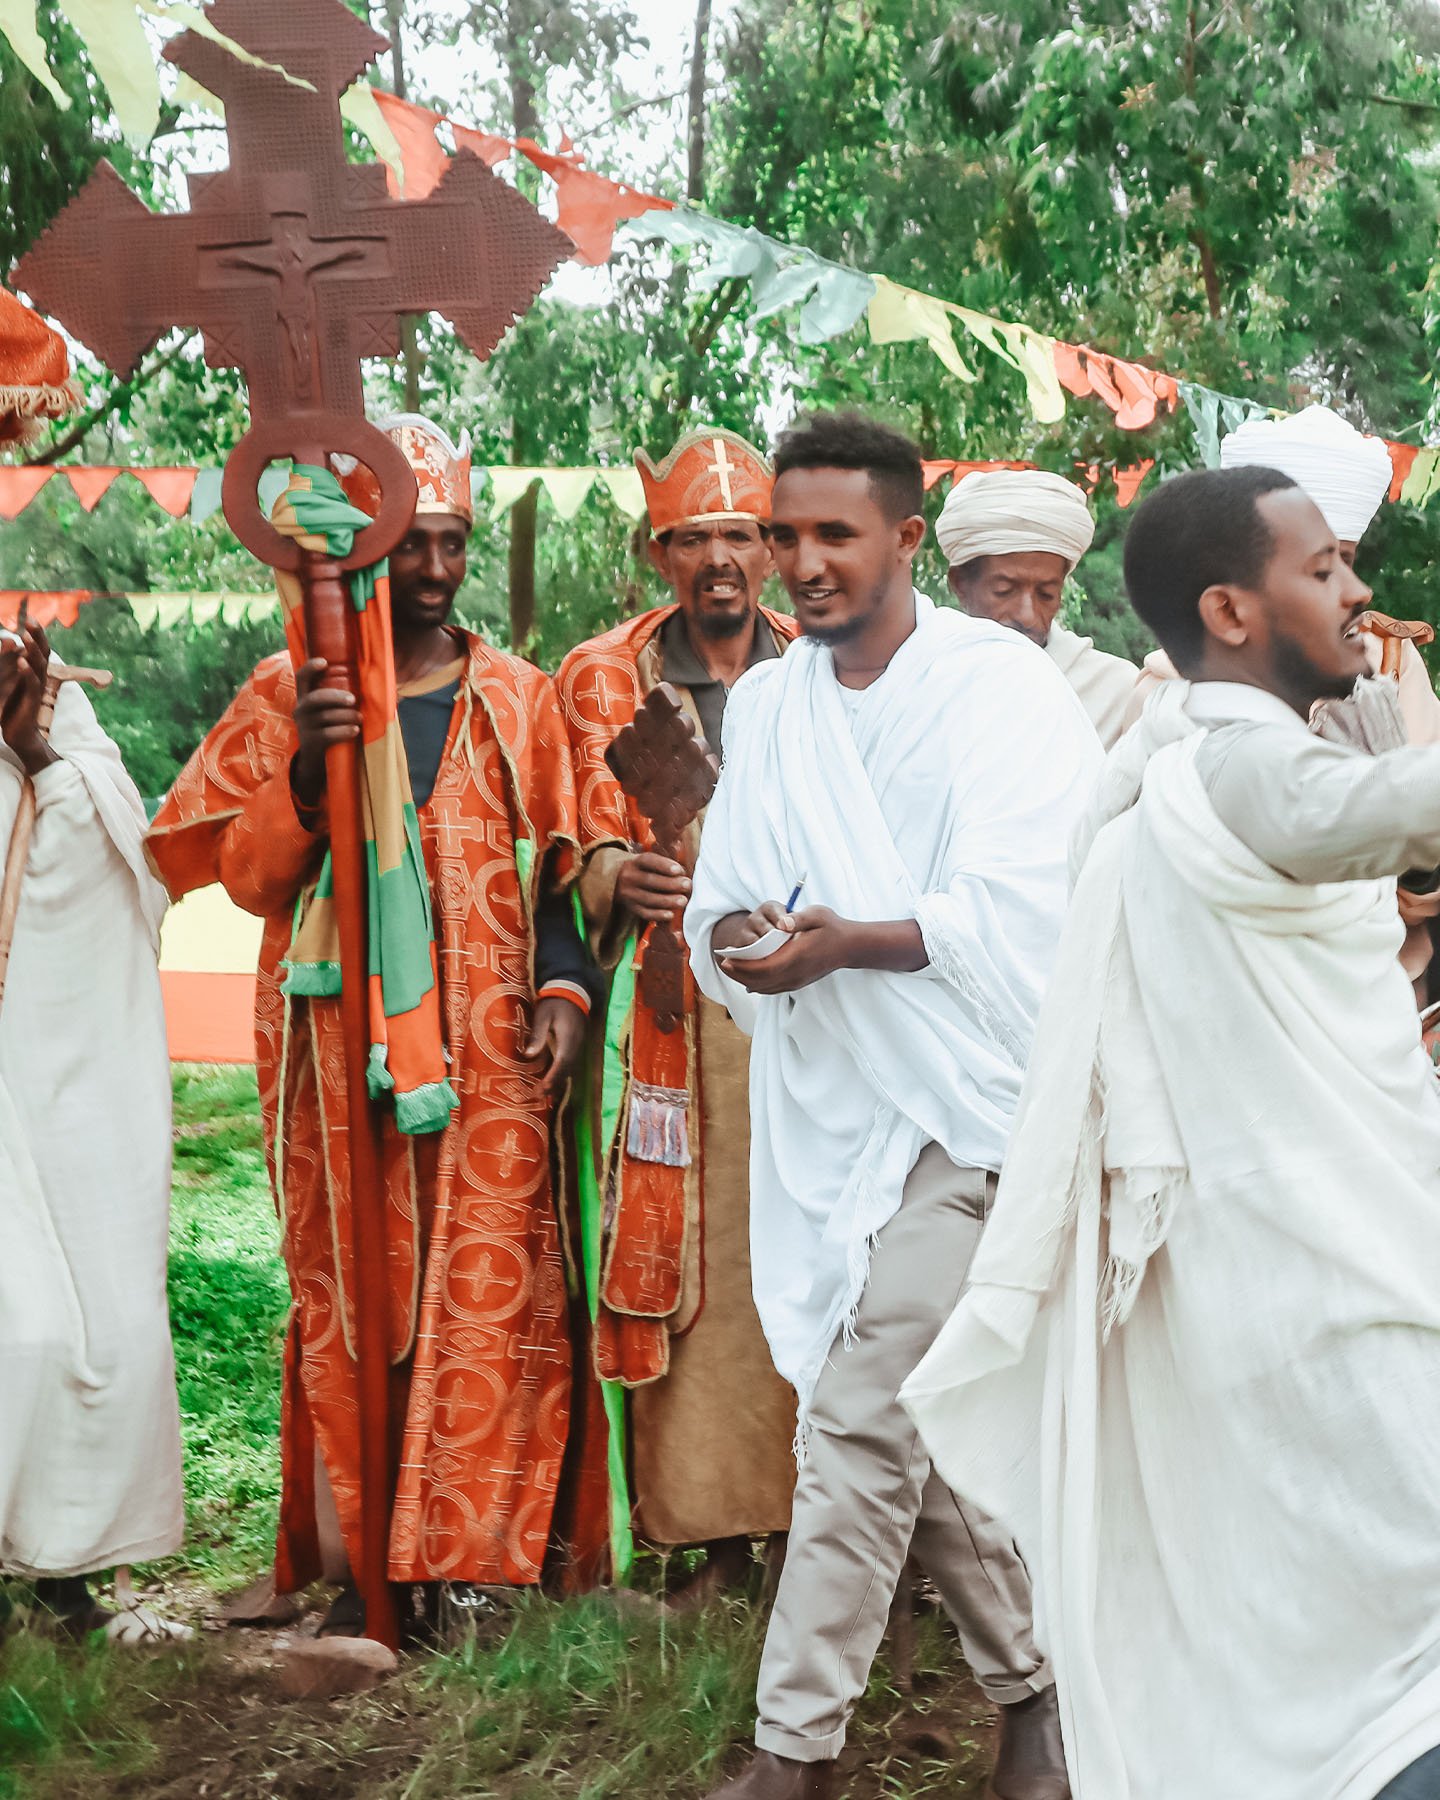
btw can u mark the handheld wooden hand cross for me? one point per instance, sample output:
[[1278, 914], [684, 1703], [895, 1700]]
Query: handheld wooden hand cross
[[668, 772]]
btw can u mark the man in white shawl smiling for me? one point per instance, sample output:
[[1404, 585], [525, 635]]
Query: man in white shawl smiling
[[89, 1424], [1197, 1367], [1011, 537], [915, 774]]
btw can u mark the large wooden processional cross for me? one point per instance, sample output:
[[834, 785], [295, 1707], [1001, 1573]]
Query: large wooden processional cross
[[294, 265]]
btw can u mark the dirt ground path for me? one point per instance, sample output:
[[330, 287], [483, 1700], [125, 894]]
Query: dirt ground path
[[600, 1699]]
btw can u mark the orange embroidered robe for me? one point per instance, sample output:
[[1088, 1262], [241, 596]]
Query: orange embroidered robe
[[479, 1316], [712, 1424]]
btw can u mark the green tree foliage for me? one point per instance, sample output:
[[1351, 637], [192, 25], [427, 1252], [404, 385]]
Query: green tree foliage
[[1242, 194]]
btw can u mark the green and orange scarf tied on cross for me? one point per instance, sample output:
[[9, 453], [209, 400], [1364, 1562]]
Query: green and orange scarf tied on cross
[[407, 1047]]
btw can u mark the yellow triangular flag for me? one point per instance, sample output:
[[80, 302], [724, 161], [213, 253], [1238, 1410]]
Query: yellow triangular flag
[[626, 490], [507, 484], [121, 56], [17, 25], [567, 489], [358, 108], [1025, 350], [899, 315]]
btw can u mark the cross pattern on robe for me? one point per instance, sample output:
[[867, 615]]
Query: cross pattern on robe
[[292, 262]]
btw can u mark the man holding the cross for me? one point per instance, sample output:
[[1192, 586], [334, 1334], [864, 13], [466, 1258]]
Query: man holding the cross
[[712, 1423], [479, 1322]]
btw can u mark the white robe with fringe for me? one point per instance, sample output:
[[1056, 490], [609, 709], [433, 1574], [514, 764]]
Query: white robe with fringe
[[1197, 1367], [89, 1422], [943, 793]]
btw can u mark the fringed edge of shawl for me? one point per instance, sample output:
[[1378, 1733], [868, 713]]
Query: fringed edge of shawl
[[425, 1109], [1121, 1277], [952, 967], [417, 1110], [657, 1129]]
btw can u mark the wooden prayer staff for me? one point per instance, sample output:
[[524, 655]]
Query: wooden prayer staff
[[668, 772], [295, 265], [1393, 635], [330, 632], [18, 853]]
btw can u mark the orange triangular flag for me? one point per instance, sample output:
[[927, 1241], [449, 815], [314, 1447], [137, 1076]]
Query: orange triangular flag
[[170, 488], [588, 206], [19, 485], [423, 160], [90, 484], [1402, 459], [490, 148], [44, 609], [1127, 481]]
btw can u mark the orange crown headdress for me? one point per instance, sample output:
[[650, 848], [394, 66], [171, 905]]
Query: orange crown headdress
[[710, 474], [442, 468]]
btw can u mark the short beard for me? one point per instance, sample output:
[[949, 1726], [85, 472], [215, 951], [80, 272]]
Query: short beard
[[719, 626], [1297, 679], [832, 635]]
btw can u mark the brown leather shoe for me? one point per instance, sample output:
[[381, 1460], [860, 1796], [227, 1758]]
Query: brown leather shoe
[[1031, 1762], [771, 1777]]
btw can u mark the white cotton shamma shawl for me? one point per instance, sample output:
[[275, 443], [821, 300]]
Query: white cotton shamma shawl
[[945, 793], [89, 1424], [1197, 1367]]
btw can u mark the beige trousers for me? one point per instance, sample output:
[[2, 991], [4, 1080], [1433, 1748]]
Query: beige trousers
[[867, 1496]]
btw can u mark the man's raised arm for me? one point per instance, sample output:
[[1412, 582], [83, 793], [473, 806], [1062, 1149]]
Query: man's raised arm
[[247, 810]]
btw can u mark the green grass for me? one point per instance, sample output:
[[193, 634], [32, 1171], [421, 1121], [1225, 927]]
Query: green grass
[[82, 1706], [228, 1301], [597, 1698], [228, 1298]]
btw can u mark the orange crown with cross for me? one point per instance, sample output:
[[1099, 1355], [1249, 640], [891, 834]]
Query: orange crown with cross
[[710, 474], [442, 468]]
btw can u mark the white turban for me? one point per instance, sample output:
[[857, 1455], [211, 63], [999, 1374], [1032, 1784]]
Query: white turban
[[996, 512], [1345, 473]]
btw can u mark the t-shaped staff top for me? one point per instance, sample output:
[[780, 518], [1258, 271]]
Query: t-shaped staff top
[[292, 261]]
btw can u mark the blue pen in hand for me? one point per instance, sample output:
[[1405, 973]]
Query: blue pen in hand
[[794, 895]]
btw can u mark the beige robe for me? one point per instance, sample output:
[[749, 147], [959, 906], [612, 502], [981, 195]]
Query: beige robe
[[1103, 684], [1420, 709]]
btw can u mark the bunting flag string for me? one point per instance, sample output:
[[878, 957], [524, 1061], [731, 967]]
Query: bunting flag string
[[196, 491], [831, 298], [1127, 480], [827, 298], [61, 606], [567, 489]]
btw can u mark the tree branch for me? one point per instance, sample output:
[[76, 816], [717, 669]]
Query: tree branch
[[695, 175], [119, 392]]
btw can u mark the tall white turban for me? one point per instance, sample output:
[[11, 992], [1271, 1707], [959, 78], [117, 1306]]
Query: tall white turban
[[1344, 472], [996, 512]]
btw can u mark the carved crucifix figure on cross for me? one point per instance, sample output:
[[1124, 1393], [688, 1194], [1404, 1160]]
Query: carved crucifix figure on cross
[[294, 264], [292, 261], [670, 774]]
